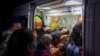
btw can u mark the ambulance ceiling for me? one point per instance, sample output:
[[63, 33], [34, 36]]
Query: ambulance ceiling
[[60, 4]]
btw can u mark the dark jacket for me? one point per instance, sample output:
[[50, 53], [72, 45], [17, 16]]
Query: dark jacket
[[20, 43], [56, 37], [40, 32], [75, 37], [41, 50]]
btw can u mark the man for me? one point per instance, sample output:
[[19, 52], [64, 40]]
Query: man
[[14, 26], [57, 34], [6, 34], [75, 40]]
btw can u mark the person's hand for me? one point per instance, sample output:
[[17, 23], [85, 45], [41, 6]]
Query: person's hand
[[51, 47], [35, 33], [63, 36], [74, 45], [60, 45]]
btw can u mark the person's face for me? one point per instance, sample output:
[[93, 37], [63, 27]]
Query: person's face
[[81, 34], [64, 30], [16, 26]]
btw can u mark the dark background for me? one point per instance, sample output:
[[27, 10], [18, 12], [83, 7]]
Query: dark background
[[6, 10]]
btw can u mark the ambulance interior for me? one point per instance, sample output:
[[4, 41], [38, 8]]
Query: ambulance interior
[[57, 14]]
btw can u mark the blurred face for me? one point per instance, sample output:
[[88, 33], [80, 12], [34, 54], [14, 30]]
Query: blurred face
[[80, 20], [46, 39], [81, 34], [16, 26], [64, 30]]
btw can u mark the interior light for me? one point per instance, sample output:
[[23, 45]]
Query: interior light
[[44, 7], [52, 11], [72, 2]]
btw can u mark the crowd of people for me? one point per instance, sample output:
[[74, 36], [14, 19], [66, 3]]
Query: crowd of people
[[17, 41]]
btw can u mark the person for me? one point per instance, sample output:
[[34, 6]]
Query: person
[[13, 27], [39, 27], [57, 34], [6, 35], [75, 41], [39, 32], [21, 43], [43, 48]]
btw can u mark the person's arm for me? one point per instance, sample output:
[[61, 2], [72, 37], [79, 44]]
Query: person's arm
[[71, 39], [45, 54]]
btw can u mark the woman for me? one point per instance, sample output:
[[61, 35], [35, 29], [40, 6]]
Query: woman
[[20, 44], [43, 48], [75, 41]]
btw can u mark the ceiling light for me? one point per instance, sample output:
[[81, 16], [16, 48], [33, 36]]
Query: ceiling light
[[72, 2], [46, 8], [43, 7]]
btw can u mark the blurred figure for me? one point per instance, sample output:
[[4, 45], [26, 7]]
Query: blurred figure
[[20, 44], [13, 27], [57, 34], [6, 35], [75, 40], [39, 32], [43, 48], [47, 30]]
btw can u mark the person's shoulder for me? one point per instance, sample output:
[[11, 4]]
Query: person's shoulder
[[6, 32], [77, 25], [45, 54], [56, 32]]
